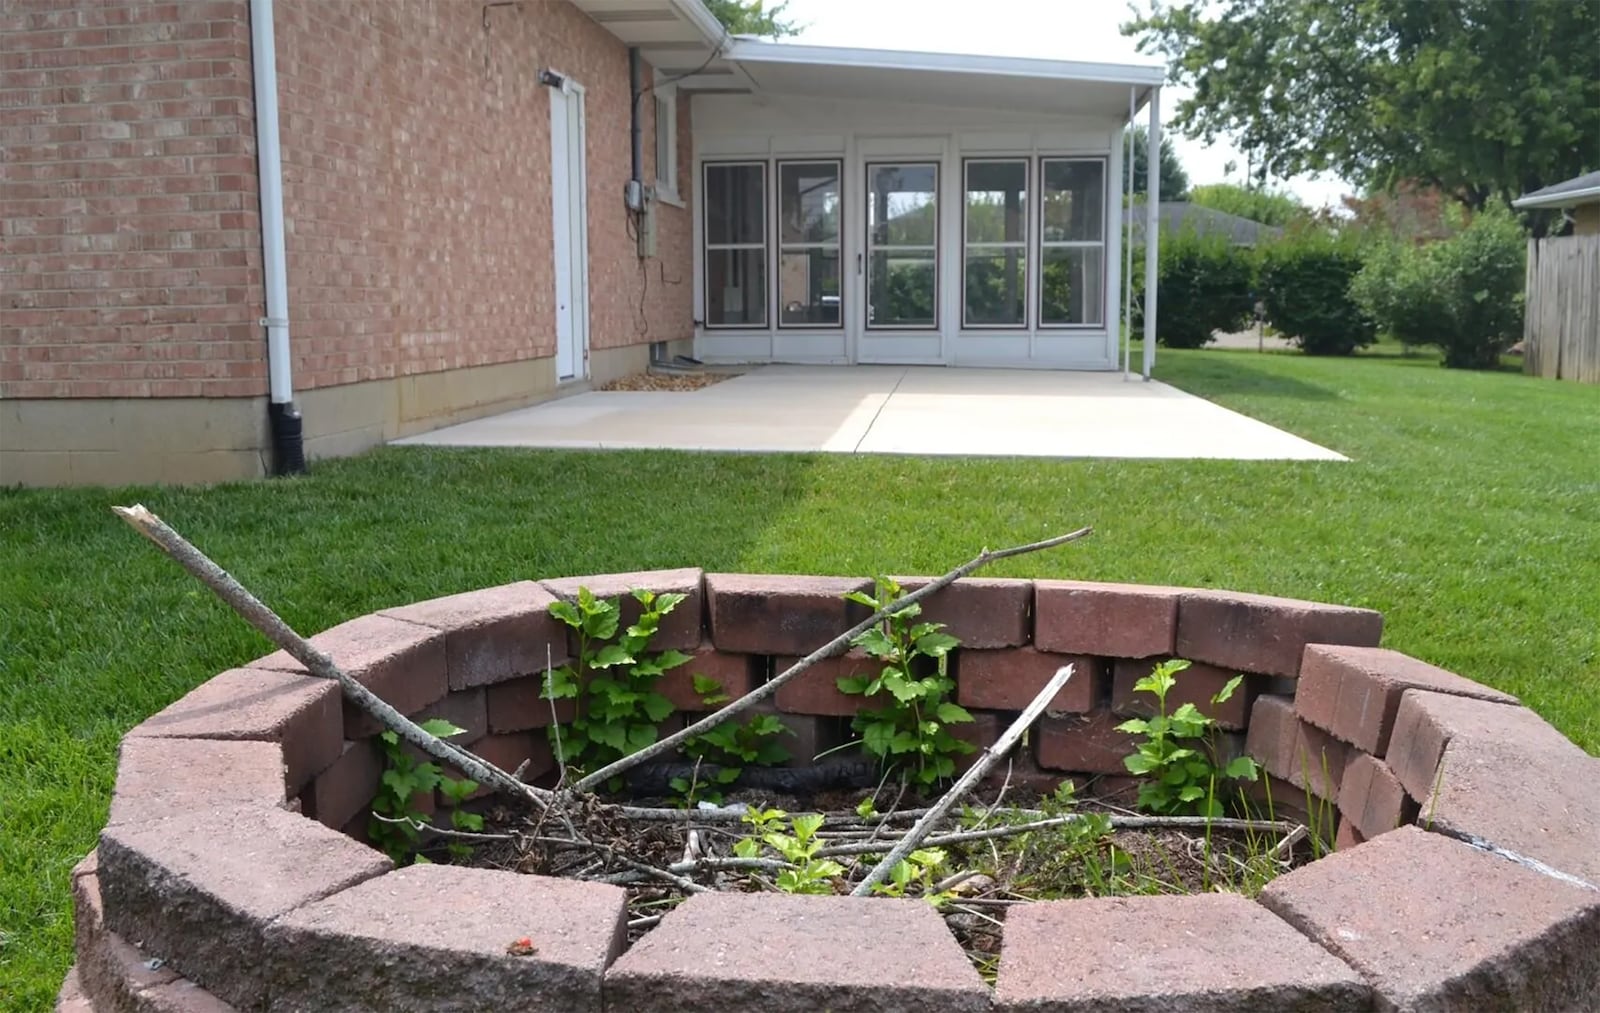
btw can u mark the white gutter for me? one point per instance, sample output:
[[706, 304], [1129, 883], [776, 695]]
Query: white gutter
[[1152, 228], [703, 21], [1559, 200], [280, 379]]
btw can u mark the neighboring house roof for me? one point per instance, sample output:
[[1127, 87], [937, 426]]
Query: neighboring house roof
[[1175, 216], [682, 40], [1568, 193]]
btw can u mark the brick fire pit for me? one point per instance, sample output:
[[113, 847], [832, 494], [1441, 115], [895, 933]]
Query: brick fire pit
[[231, 870]]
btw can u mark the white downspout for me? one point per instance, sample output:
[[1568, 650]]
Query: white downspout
[[285, 418], [1127, 243], [1152, 223]]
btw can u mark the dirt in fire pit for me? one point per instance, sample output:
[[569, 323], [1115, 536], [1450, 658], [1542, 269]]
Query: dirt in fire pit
[[982, 859]]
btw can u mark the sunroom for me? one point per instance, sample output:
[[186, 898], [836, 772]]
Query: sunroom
[[871, 206]]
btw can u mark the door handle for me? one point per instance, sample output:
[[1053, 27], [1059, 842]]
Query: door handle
[[858, 262]]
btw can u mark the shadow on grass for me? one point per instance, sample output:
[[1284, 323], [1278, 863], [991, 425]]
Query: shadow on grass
[[1223, 373]]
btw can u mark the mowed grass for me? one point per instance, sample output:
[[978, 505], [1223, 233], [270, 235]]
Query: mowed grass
[[1470, 516]]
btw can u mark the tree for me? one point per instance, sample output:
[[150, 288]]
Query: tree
[[753, 17], [1482, 99], [1174, 181], [1269, 207]]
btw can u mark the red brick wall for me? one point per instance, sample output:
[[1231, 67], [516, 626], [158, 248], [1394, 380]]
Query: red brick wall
[[129, 242], [416, 155], [417, 187]]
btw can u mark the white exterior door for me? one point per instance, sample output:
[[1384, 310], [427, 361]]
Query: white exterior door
[[570, 225], [900, 262]]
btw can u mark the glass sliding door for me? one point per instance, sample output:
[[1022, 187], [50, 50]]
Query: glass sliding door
[[1072, 242], [902, 246], [995, 234], [736, 244], [810, 274]]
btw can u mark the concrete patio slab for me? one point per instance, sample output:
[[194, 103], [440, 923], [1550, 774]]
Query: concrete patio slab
[[897, 410]]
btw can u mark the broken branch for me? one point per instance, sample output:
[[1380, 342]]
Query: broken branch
[[257, 614], [832, 647], [990, 756]]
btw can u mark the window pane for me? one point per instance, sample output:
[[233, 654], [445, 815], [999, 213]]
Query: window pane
[[996, 287], [808, 286], [1074, 201], [1071, 290], [666, 172], [736, 287], [901, 290], [734, 204], [997, 194], [808, 202], [901, 208]]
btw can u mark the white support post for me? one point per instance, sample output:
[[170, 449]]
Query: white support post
[[1152, 222], [1125, 331]]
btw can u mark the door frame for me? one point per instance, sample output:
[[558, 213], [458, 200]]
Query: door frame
[[898, 345], [569, 206]]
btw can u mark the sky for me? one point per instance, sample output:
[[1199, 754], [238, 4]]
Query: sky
[[1047, 29]]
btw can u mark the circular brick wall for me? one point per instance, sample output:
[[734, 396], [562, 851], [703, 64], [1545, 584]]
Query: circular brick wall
[[1468, 846]]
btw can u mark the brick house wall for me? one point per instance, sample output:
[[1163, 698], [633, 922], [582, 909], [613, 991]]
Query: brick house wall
[[416, 161]]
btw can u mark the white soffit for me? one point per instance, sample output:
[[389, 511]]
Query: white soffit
[[1054, 87], [679, 38]]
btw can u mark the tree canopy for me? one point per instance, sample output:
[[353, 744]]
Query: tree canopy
[[1482, 99], [1174, 180], [753, 17], [1269, 207]]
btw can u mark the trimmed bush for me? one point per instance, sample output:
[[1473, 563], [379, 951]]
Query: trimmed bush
[[1462, 295], [1205, 285], [1305, 287]]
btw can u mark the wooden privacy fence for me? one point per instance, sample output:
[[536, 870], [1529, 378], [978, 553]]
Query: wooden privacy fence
[[1561, 325]]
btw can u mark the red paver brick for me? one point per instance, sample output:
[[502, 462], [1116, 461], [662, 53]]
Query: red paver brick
[[1348, 836], [1111, 620], [1501, 774], [494, 634], [516, 706], [71, 998], [1263, 634], [158, 777], [784, 953], [738, 674], [680, 630], [1371, 798], [402, 662], [1211, 952], [1009, 679], [981, 612], [1299, 753], [508, 752], [346, 789], [980, 733], [300, 711], [1088, 745], [196, 890], [807, 735], [816, 690], [1433, 924], [780, 614], [1354, 692], [466, 709], [110, 969], [437, 936], [1196, 684]]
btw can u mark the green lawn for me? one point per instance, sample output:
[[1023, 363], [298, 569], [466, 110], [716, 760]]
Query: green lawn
[[1470, 516]]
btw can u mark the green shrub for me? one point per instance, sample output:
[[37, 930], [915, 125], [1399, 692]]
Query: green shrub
[[1462, 295], [1305, 288], [1204, 284]]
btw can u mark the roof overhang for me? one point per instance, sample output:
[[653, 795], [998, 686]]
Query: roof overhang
[[686, 43], [1051, 87]]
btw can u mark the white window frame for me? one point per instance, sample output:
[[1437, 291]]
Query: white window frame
[[1025, 244], [665, 98], [708, 247], [1102, 244], [782, 247]]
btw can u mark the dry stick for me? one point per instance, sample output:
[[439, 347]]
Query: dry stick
[[832, 647], [990, 756], [257, 614]]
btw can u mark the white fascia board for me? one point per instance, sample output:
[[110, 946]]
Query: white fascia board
[[754, 51], [1559, 200], [703, 21]]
